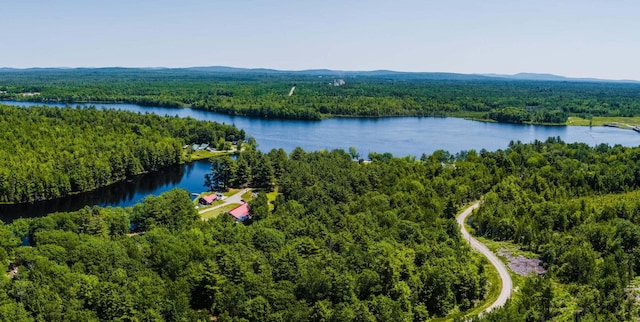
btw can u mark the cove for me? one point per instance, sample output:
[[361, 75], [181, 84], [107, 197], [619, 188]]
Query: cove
[[400, 136]]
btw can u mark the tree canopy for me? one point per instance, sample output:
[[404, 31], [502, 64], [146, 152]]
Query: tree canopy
[[51, 152], [368, 95], [345, 241]]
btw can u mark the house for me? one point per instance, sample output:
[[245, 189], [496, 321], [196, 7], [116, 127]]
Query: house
[[240, 213], [338, 82], [198, 147], [207, 200]]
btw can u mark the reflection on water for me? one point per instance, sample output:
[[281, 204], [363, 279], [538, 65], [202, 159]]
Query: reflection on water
[[122, 194], [400, 136]]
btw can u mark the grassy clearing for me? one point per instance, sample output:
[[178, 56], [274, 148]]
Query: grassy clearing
[[217, 212], [601, 120], [204, 154], [271, 196], [213, 204], [628, 198], [230, 192], [467, 114], [494, 246], [247, 196]]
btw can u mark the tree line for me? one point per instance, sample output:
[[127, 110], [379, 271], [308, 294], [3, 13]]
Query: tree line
[[266, 95], [51, 152]]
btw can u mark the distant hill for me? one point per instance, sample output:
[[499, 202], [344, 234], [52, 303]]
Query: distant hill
[[552, 77], [385, 74], [405, 75]]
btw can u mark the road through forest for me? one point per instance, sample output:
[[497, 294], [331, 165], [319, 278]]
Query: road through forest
[[507, 283]]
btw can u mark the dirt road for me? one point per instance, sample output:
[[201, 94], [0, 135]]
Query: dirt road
[[507, 283]]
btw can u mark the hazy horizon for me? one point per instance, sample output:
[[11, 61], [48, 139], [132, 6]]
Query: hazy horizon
[[312, 69], [571, 38]]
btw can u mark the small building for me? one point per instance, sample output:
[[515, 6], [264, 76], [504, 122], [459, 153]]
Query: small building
[[338, 82], [240, 213], [195, 147], [207, 200]]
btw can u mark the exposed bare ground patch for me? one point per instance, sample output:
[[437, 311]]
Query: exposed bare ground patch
[[521, 265]]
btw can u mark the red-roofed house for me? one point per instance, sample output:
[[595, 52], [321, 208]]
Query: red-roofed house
[[207, 200], [240, 213]]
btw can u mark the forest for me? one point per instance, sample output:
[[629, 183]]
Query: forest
[[265, 93], [345, 241], [578, 208], [50, 152]]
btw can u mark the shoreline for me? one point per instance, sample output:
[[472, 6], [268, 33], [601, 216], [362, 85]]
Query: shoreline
[[467, 115], [75, 193]]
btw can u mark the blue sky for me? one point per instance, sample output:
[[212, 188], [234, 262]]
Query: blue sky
[[587, 38]]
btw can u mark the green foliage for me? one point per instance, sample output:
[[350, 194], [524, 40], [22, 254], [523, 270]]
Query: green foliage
[[265, 94], [347, 241], [54, 152], [577, 207], [172, 210], [252, 168]]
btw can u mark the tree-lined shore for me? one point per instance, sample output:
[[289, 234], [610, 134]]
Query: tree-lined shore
[[264, 94], [49, 152]]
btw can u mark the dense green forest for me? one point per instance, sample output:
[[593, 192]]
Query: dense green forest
[[345, 241], [370, 95], [53, 152], [579, 209]]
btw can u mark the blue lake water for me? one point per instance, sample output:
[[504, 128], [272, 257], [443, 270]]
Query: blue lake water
[[400, 136]]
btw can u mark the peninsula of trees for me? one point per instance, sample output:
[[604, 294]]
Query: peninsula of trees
[[321, 94], [50, 152]]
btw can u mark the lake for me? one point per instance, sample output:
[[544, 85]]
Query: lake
[[400, 136]]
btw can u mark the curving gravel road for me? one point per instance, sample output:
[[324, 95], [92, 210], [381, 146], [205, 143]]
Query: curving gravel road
[[507, 283]]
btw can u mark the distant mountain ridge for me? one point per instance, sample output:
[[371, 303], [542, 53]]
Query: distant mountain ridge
[[552, 77], [339, 73]]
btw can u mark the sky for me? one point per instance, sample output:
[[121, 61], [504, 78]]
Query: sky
[[575, 38]]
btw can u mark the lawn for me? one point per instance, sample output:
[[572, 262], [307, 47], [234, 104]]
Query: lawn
[[204, 154], [601, 120], [271, 196], [213, 204], [217, 212]]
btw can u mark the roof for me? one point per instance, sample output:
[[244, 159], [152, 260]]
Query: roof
[[210, 198], [241, 212]]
